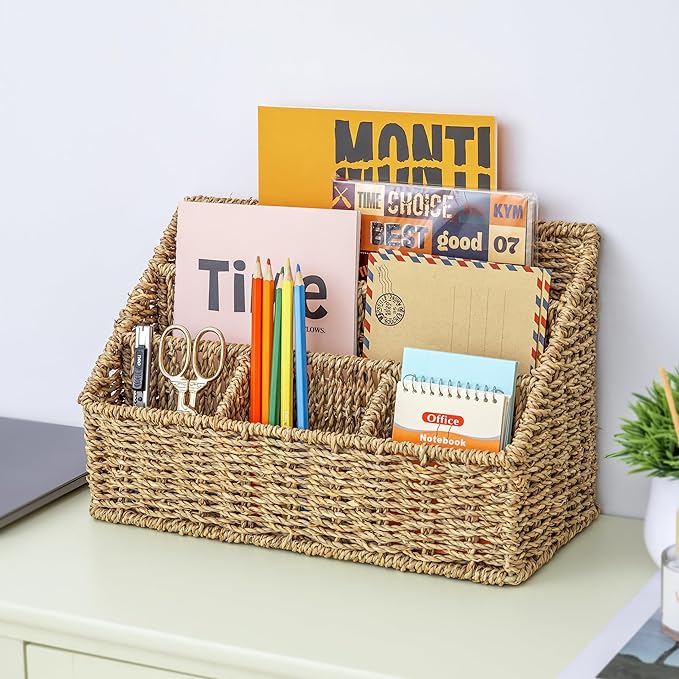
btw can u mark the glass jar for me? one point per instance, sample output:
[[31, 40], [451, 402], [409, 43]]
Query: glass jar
[[670, 592]]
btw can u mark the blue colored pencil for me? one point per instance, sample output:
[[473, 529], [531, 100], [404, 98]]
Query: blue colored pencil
[[301, 386]]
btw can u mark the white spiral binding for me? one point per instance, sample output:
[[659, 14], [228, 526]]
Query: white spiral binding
[[451, 389]]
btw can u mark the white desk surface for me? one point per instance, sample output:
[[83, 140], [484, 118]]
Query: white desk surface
[[212, 605]]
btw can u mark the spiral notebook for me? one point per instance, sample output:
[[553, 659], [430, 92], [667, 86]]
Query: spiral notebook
[[455, 400]]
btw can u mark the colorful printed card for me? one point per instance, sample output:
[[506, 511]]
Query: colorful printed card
[[217, 244], [454, 400], [301, 150], [462, 306], [490, 226]]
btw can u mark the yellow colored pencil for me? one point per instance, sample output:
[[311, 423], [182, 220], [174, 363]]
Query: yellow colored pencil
[[267, 338], [286, 348]]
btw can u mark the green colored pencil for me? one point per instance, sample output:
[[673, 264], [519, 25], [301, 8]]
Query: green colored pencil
[[275, 392]]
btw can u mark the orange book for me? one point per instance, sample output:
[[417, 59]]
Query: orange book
[[301, 150], [256, 346], [267, 337]]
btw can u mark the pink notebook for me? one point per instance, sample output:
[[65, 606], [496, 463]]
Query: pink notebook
[[217, 244]]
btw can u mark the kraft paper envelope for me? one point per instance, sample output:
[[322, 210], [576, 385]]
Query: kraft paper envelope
[[462, 306]]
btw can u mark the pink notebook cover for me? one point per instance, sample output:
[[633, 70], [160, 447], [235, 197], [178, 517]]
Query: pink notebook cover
[[217, 244]]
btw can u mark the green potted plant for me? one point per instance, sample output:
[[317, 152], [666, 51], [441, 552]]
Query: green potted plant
[[649, 444]]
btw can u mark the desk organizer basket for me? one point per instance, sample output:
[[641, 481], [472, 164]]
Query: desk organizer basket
[[343, 489]]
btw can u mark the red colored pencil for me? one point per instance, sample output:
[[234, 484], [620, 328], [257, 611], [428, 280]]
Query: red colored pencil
[[256, 346]]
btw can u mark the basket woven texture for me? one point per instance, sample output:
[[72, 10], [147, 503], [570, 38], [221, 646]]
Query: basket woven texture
[[343, 489]]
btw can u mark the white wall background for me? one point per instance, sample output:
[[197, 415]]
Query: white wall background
[[110, 112]]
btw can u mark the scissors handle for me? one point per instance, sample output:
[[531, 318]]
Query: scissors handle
[[161, 352], [222, 354], [201, 380], [179, 380]]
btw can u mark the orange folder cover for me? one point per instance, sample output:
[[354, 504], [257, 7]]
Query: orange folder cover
[[301, 150]]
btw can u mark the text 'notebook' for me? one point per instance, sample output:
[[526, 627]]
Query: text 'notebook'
[[463, 306]]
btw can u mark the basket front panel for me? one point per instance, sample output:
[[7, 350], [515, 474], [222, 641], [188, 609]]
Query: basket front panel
[[324, 497]]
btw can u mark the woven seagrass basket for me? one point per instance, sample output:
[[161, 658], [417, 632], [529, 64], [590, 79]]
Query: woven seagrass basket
[[343, 489]]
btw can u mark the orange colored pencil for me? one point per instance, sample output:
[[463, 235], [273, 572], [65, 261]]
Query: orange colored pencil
[[268, 292], [256, 346]]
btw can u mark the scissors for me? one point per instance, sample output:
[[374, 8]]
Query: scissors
[[180, 381]]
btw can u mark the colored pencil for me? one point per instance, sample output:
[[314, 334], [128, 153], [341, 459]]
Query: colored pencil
[[267, 337], [286, 349], [301, 387], [256, 346], [275, 391]]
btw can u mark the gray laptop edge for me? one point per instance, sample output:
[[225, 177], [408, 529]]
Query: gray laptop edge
[[39, 462]]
